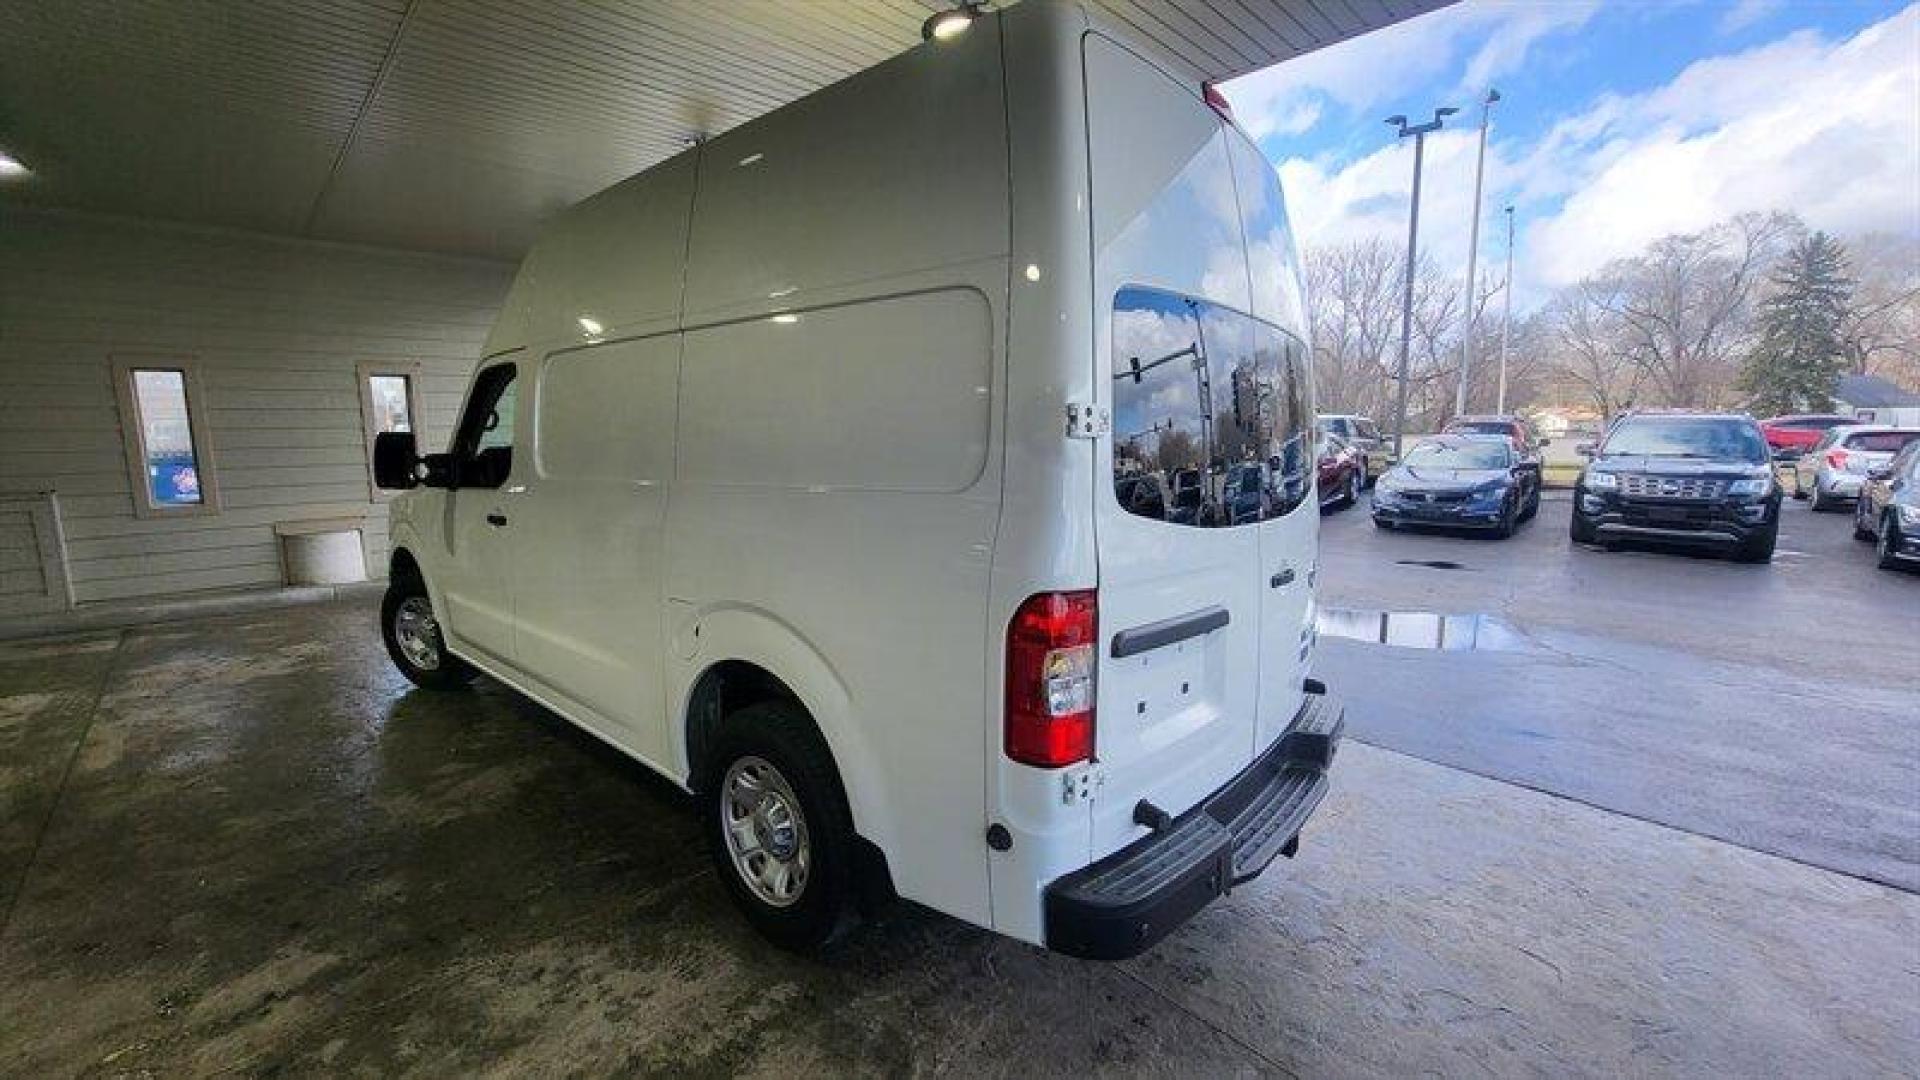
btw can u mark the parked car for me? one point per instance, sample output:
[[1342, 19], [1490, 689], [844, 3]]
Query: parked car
[[1361, 433], [1247, 493], [1341, 471], [1514, 428], [1887, 513], [1190, 503], [1679, 477], [1833, 470], [1790, 436], [1460, 481], [796, 497]]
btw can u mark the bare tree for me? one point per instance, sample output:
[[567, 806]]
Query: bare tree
[[1881, 332], [1591, 353], [1355, 293], [1686, 304]]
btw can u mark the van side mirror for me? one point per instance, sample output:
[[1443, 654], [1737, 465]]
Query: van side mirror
[[398, 466], [396, 461]]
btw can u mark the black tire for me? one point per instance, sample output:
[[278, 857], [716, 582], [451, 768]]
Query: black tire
[[1509, 521], [1884, 556], [1821, 503], [1798, 491], [1578, 530], [1861, 531], [1758, 548], [1532, 508], [1352, 496], [1383, 524], [437, 669], [781, 736]]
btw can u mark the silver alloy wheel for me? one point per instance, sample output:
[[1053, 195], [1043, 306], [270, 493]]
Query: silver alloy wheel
[[417, 632], [766, 832]]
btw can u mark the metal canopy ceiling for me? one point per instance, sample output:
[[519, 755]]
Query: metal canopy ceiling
[[456, 125]]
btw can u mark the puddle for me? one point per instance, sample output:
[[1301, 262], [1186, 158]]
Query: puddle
[[1422, 630]]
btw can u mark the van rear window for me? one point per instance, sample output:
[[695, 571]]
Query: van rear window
[[1205, 395]]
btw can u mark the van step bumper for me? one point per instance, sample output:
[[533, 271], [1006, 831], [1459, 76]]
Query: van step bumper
[[1123, 904]]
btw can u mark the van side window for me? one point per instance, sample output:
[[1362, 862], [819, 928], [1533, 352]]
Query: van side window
[[483, 443], [1201, 393]]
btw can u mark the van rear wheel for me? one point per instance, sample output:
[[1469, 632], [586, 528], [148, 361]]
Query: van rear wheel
[[779, 829]]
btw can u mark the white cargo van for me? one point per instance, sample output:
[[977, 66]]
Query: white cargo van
[[862, 470]]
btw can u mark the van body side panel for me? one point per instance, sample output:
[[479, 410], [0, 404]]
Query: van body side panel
[[588, 529], [837, 489], [898, 169], [1174, 350], [1045, 540], [614, 261]]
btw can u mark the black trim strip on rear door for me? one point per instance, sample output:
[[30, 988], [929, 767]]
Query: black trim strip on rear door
[[1154, 635]]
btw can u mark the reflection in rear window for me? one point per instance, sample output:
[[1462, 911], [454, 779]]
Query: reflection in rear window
[[1881, 442], [1203, 396]]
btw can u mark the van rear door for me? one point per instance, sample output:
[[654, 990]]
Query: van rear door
[[1175, 352]]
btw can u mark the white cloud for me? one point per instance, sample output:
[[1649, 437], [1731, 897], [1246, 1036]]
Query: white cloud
[[1824, 128], [1745, 13], [1387, 64]]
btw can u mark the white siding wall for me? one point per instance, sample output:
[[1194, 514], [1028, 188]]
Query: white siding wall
[[277, 328]]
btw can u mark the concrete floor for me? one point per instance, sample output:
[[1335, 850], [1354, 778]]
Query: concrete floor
[[246, 845]]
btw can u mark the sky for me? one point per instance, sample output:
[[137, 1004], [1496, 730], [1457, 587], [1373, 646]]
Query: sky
[[1619, 123]]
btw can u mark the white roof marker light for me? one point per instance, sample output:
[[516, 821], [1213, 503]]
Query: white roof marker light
[[11, 166], [950, 24]]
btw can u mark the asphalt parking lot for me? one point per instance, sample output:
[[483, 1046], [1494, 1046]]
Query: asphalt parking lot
[[1660, 823]]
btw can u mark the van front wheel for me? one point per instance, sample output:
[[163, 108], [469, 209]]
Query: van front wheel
[[414, 640], [780, 832]]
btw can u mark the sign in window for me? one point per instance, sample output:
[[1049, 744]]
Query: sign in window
[[166, 438]]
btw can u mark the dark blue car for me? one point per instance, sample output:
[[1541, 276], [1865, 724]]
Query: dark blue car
[[1460, 481]]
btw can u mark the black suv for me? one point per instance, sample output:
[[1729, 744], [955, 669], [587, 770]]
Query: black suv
[[1688, 478]]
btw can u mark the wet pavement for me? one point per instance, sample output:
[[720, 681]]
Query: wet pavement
[[1629, 681], [247, 846]]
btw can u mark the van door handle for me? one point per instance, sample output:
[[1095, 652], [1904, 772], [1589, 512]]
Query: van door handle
[[1284, 577], [496, 519]]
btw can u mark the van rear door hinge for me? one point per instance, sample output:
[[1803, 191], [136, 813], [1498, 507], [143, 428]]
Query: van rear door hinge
[[1080, 783], [1087, 421]]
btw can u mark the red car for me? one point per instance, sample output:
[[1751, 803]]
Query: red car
[[1795, 435], [1342, 472]]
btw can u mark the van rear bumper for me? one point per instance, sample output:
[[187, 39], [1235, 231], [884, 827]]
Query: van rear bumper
[[1123, 904]]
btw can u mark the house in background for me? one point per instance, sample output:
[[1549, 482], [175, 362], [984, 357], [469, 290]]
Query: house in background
[[1874, 400]]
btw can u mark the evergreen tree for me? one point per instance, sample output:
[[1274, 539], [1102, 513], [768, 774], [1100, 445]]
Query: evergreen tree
[[1800, 351]]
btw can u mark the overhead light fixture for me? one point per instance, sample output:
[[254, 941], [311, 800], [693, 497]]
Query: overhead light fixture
[[591, 327], [11, 166], [950, 24], [787, 319]]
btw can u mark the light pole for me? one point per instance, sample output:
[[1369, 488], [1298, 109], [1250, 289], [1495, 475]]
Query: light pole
[[1419, 133], [1473, 256], [1506, 320]]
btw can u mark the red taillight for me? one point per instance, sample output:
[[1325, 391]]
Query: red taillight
[[1050, 661], [1837, 459]]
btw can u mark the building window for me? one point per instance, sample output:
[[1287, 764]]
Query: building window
[[166, 442], [389, 401]]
